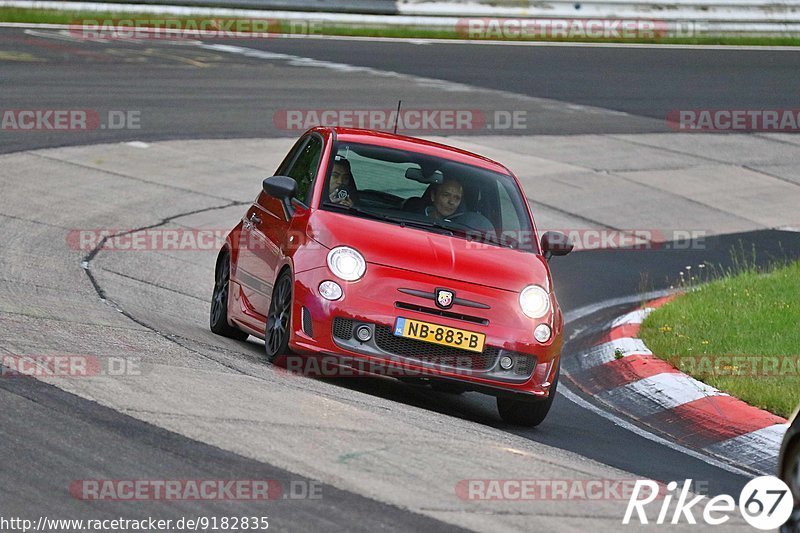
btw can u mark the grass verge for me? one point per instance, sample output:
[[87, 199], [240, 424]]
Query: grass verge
[[45, 16], [740, 334]]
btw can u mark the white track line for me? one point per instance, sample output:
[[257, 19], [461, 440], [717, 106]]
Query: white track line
[[586, 310], [657, 394], [634, 317], [755, 447], [574, 398], [606, 352], [290, 15], [565, 391]]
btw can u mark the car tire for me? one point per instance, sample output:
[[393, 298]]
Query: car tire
[[218, 316], [789, 475], [279, 318], [521, 410]]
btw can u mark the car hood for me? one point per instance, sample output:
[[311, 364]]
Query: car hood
[[431, 253]]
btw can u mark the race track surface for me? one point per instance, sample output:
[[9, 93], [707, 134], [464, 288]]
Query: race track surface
[[386, 455]]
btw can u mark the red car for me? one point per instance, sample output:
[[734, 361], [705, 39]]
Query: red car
[[385, 251]]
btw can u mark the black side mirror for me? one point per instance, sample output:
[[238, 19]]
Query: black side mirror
[[284, 189], [555, 243]]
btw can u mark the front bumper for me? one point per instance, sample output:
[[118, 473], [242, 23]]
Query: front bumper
[[324, 327]]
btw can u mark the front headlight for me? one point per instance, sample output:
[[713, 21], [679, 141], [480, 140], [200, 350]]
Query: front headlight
[[535, 301], [346, 263]]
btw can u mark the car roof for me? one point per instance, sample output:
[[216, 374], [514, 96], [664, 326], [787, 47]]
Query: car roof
[[414, 144]]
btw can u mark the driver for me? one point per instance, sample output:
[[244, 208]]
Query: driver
[[446, 198], [446, 206], [342, 186]]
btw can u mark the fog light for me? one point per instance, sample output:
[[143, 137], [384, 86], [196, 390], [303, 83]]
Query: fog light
[[363, 333], [542, 333], [506, 362], [330, 290]]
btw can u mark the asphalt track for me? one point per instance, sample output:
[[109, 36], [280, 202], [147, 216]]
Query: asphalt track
[[186, 92], [183, 92], [644, 81]]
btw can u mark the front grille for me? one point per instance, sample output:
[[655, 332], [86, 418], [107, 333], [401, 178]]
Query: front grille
[[307, 323], [523, 364], [434, 353], [441, 312], [342, 328]]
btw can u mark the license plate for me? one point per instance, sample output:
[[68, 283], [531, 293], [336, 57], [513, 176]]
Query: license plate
[[436, 334]]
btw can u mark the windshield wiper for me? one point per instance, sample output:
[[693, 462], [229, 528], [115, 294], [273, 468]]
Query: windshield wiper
[[353, 209], [471, 234], [387, 218], [426, 224]]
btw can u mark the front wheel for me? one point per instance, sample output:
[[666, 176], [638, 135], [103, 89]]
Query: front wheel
[[279, 318], [218, 317], [524, 411]]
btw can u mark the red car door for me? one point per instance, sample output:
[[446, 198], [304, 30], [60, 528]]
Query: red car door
[[265, 232]]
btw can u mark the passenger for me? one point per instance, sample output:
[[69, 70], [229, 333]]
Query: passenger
[[342, 186]]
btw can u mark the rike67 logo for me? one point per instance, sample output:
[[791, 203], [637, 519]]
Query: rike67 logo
[[765, 503]]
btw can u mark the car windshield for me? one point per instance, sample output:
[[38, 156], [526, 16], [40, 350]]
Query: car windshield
[[428, 193]]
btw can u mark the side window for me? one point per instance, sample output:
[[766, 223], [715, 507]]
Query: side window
[[511, 217], [290, 157], [305, 167]]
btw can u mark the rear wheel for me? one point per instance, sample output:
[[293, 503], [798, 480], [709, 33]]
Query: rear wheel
[[279, 318], [218, 317], [521, 410]]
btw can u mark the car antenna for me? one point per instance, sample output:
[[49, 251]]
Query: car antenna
[[397, 116]]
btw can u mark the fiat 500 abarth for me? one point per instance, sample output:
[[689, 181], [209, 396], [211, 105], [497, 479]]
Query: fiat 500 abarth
[[379, 249]]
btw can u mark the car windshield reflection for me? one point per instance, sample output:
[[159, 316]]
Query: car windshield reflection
[[428, 193]]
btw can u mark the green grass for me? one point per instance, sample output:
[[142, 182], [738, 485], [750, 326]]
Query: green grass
[[405, 32], [750, 314]]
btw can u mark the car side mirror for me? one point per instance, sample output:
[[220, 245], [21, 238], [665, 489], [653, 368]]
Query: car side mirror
[[284, 189], [555, 243]]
